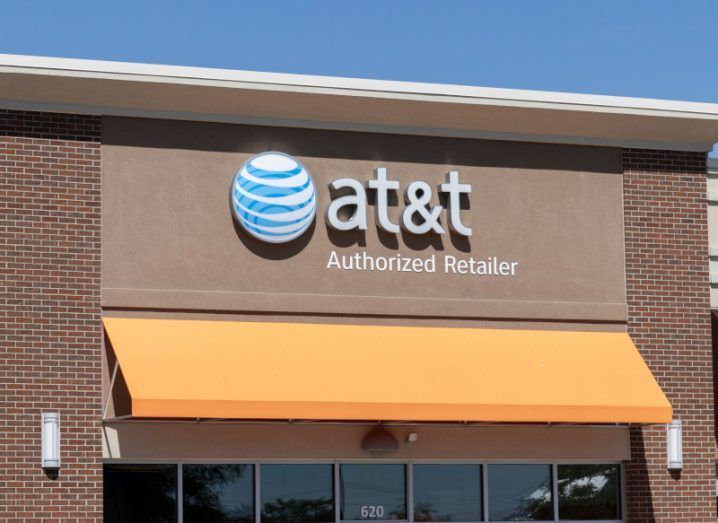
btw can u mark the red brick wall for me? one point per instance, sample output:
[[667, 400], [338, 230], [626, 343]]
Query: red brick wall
[[669, 319], [50, 332]]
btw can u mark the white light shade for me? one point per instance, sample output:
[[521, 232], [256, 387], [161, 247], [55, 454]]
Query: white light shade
[[674, 445], [51, 440]]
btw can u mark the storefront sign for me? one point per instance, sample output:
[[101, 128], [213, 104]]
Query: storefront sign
[[274, 199], [358, 223], [418, 216], [362, 261]]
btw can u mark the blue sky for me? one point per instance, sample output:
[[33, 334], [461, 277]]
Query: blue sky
[[647, 48]]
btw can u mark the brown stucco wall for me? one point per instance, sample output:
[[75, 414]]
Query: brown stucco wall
[[320, 441], [170, 241]]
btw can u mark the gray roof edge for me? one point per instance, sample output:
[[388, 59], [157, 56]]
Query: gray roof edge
[[376, 88]]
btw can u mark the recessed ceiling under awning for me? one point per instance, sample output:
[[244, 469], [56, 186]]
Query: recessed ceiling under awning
[[246, 370]]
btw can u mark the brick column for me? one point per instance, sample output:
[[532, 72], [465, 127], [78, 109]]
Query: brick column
[[50, 331], [669, 320]]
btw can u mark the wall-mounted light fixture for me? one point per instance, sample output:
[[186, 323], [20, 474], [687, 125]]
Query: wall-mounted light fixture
[[674, 445], [51, 440], [379, 440]]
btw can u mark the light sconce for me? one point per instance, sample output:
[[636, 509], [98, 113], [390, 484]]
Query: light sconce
[[379, 440], [674, 445], [51, 440]]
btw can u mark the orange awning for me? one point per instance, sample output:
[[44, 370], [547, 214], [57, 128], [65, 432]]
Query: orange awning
[[243, 370]]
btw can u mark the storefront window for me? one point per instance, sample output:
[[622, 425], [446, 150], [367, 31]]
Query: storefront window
[[305, 493], [589, 492], [447, 493], [520, 492], [373, 492], [140, 493], [218, 493], [295, 493]]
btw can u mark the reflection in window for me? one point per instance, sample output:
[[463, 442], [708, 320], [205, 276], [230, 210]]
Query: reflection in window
[[373, 491], [589, 492], [140, 493], [297, 493], [519, 492], [447, 493], [218, 493]]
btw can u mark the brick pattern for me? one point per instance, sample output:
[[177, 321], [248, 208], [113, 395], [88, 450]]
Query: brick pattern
[[50, 332], [669, 320]]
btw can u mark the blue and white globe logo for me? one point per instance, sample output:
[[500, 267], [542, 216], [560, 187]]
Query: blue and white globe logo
[[273, 197]]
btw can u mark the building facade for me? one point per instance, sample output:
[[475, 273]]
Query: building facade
[[259, 297]]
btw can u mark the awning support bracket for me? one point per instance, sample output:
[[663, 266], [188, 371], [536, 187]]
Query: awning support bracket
[[109, 392]]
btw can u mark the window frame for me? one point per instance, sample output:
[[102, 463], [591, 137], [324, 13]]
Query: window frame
[[178, 480], [409, 499], [409, 481], [180, 484], [621, 493], [483, 494], [552, 473], [258, 481]]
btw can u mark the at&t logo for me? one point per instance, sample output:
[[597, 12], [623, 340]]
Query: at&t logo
[[274, 197]]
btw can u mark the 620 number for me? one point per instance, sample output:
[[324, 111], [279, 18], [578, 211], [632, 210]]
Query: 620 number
[[372, 511]]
